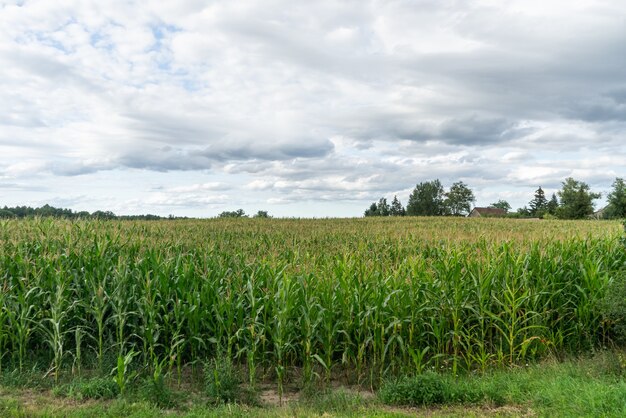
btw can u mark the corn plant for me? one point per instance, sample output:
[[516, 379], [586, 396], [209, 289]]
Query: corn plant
[[122, 374], [4, 329], [53, 326], [282, 329], [365, 297]]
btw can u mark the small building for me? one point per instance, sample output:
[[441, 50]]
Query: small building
[[487, 213], [599, 214]]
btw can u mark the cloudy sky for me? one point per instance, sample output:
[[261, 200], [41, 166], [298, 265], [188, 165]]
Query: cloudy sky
[[305, 108]]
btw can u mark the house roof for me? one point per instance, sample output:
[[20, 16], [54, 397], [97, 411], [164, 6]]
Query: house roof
[[490, 211]]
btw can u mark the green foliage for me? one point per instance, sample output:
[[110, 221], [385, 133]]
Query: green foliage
[[95, 388], [581, 386], [47, 211], [613, 305], [459, 199], [396, 208], [367, 298], [539, 205], [239, 213], [501, 204], [122, 374], [262, 214], [222, 380], [155, 391], [552, 206], [421, 390], [382, 208], [7, 214], [27, 378], [427, 199], [372, 210], [329, 401], [616, 199], [576, 200], [430, 199], [613, 308]]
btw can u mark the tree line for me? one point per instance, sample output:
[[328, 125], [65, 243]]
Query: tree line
[[50, 211], [573, 201], [428, 199]]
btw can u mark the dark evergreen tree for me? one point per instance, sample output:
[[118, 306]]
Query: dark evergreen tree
[[372, 210], [396, 207], [538, 205], [553, 205], [383, 208]]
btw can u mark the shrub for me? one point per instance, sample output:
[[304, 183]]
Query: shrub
[[425, 389], [155, 390], [222, 380], [96, 388]]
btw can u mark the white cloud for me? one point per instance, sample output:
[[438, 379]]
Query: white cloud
[[294, 103]]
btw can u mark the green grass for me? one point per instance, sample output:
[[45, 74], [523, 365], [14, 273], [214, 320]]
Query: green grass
[[590, 386], [584, 387]]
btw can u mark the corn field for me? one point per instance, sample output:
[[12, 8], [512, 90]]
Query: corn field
[[313, 300]]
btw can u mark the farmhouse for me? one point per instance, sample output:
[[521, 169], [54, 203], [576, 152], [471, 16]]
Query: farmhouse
[[487, 213], [599, 214]]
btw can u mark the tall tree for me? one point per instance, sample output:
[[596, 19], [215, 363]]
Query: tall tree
[[239, 213], [427, 199], [617, 199], [539, 203], [372, 210], [459, 199], [383, 207], [396, 207], [501, 204], [576, 199], [553, 205]]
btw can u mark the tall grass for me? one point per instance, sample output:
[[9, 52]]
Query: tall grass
[[361, 299]]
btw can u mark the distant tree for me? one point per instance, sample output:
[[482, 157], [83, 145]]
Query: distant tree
[[576, 199], [501, 204], [239, 213], [539, 204], [459, 199], [6, 213], [262, 214], [396, 208], [523, 212], [553, 205], [103, 215], [372, 210], [382, 207], [617, 200], [427, 199]]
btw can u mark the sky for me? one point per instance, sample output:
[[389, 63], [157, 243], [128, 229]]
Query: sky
[[305, 109]]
